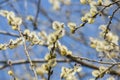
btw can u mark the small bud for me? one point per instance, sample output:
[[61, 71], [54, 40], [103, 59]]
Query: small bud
[[30, 18], [15, 27], [72, 27], [91, 20], [102, 68], [83, 19], [10, 72], [83, 1], [109, 17], [95, 73], [57, 25], [100, 2]]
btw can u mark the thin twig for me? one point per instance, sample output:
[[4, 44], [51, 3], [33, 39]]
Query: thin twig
[[9, 34], [86, 64], [83, 24], [108, 69], [110, 21], [36, 16], [19, 62], [28, 56]]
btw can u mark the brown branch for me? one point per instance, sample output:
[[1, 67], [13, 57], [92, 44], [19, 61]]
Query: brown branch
[[70, 59], [103, 73], [118, 4], [110, 21], [89, 65], [28, 56], [8, 34], [19, 62]]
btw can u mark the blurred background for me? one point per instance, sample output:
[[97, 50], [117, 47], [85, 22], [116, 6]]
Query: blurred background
[[38, 15]]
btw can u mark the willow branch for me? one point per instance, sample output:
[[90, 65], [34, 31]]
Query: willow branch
[[83, 24], [28, 56], [19, 62], [8, 34], [89, 65]]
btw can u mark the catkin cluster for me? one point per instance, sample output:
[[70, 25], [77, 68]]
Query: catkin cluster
[[57, 3], [13, 20], [69, 73], [109, 46]]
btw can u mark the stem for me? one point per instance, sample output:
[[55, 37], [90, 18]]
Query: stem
[[28, 57]]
